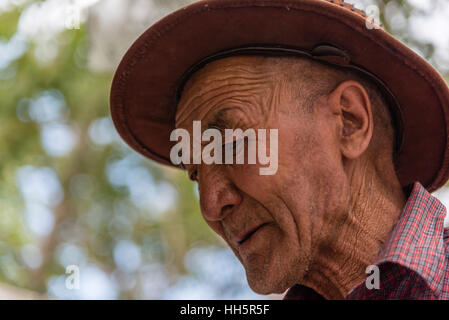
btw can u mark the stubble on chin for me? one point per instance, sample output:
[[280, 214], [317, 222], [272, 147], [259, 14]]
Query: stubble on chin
[[268, 275]]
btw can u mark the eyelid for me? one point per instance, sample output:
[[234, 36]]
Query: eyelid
[[234, 141], [232, 145]]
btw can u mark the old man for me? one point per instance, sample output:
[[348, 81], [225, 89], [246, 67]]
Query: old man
[[362, 125]]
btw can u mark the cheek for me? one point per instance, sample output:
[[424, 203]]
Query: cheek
[[327, 198], [247, 179], [312, 181]]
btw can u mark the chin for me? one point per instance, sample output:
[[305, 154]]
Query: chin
[[275, 278], [269, 283]]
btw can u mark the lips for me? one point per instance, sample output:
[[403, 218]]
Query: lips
[[248, 233]]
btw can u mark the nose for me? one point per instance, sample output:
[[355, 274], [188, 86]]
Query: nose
[[218, 194]]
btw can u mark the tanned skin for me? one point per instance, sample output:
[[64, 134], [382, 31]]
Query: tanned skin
[[335, 198]]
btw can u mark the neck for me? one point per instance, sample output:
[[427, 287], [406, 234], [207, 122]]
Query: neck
[[374, 207]]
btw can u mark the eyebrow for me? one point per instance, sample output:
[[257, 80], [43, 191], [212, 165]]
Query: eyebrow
[[220, 121]]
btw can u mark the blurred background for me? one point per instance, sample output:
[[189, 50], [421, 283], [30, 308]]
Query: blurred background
[[74, 199]]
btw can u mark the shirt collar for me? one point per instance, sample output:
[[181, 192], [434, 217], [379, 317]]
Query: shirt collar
[[416, 241]]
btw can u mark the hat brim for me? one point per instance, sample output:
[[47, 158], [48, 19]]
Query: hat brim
[[144, 90]]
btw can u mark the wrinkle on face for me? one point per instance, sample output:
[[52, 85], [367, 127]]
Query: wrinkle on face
[[241, 93], [240, 83]]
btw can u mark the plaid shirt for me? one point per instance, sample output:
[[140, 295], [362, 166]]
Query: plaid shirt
[[414, 261]]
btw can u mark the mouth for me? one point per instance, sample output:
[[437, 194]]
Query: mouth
[[247, 235]]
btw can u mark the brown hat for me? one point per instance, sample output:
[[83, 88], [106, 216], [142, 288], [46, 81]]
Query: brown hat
[[149, 79]]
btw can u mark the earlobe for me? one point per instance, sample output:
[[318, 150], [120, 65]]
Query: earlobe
[[351, 103]]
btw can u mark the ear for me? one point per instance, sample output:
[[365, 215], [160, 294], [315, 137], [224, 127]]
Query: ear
[[350, 102]]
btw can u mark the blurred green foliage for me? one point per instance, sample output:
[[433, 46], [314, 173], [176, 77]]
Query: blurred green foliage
[[86, 96]]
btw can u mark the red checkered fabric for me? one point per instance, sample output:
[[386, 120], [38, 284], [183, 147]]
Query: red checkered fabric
[[414, 261]]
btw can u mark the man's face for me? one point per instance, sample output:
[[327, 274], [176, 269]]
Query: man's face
[[275, 224]]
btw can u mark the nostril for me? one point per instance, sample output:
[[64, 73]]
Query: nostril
[[226, 208]]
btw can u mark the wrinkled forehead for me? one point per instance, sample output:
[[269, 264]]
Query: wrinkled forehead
[[237, 77]]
